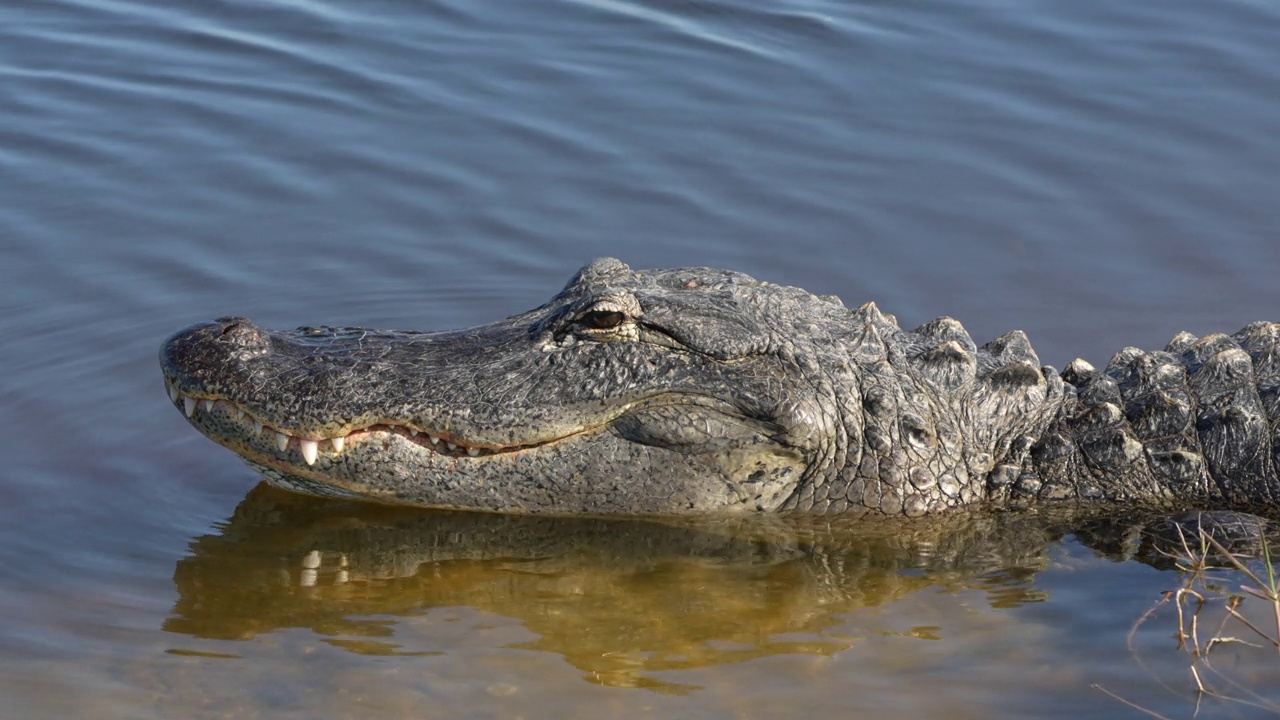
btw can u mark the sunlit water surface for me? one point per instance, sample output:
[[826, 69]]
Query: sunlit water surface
[[1100, 174]]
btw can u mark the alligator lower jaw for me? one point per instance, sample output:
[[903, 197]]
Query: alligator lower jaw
[[310, 447]]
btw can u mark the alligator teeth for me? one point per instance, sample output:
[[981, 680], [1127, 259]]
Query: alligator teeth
[[310, 569], [308, 448]]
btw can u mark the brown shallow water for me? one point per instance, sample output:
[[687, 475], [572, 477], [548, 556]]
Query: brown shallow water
[[298, 607], [1099, 174]]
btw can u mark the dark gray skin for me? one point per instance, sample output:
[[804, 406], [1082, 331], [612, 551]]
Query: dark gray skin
[[697, 390]]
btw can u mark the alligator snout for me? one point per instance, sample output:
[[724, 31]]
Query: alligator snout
[[196, 359]]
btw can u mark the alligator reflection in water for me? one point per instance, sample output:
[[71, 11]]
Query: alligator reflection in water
[[618, 598]]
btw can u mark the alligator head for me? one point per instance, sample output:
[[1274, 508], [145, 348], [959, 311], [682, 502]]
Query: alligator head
[[661, 391], [628, 392]]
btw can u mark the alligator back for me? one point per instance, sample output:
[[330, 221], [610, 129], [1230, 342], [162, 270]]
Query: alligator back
[[1195, 422]]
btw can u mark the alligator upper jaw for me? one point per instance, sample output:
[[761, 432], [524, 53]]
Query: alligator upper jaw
[[288, 398], [318, 386]]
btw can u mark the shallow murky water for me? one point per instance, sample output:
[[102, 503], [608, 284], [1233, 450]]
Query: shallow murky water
[[1100, 174]]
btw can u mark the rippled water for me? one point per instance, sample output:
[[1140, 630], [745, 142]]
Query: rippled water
[[1097, 173]]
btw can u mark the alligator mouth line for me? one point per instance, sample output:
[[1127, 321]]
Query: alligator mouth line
[[438, 443]]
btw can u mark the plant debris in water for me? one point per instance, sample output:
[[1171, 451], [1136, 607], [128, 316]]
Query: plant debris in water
[[1210, 617]]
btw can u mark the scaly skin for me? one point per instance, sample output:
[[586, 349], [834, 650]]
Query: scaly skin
[[699, 391]]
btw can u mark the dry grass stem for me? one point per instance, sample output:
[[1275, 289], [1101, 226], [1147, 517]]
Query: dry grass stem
[[1202, 590]]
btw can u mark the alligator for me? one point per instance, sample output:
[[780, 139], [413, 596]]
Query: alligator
[[703, 391]]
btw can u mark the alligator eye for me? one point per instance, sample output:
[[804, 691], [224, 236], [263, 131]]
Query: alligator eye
[[603, 319]]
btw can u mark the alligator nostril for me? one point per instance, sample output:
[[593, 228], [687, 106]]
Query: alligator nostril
[[239, 333], [233, 323]]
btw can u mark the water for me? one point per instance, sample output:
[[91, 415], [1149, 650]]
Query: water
[[1099, 174]]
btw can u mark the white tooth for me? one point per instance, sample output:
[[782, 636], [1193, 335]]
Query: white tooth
[[240, 413], [473, 452], [342, 578], [435, 440], [257, 426], [282, 440], [413, 432], [311, 560], [338, 443], [452, 446], [208, 406], [173, 393], [308, 578], [189, 406], [308, 448]]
